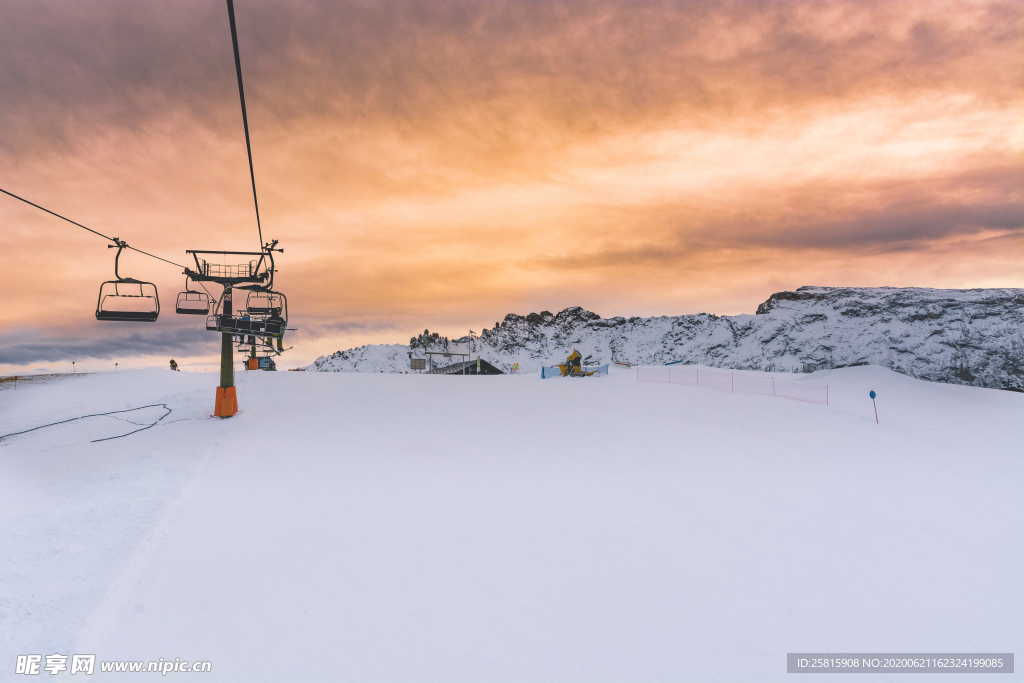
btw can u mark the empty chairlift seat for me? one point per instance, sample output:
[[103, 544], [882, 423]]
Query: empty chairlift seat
[[128, 300], [191, 302]]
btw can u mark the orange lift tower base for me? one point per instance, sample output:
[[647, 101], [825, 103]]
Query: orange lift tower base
[[227, 402]]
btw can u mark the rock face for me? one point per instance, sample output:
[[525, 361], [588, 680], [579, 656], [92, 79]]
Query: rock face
[[969, 336]]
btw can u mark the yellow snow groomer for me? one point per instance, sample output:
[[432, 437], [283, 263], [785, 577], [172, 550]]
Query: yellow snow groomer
[[573, 366]]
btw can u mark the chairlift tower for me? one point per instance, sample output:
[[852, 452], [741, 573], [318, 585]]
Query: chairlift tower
[[256, 274]]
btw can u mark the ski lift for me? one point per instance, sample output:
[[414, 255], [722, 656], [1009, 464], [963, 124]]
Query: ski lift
[[192, 302], [127, 299], [265, 313]]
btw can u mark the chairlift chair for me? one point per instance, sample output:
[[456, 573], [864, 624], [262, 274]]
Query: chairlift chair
[[245, 325], [266, 302], [126, 299], [192, 302]]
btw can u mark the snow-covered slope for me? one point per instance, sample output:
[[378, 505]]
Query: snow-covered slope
[[379, 528], [971, 336]]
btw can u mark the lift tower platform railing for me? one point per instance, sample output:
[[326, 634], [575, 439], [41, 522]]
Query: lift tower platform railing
[[257, 270]]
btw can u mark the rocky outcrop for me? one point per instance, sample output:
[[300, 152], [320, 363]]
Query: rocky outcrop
[[971, 336]]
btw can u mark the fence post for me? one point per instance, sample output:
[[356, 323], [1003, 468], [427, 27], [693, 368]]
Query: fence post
[[698, 374], [732, 382], [826, 397]]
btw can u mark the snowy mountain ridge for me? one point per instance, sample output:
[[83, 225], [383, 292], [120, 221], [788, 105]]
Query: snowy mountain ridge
[[961, 336]]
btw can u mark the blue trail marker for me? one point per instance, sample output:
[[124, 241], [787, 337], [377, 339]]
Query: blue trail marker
[[872, 395]]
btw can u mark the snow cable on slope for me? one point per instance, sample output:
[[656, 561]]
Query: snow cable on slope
[[111, 412]]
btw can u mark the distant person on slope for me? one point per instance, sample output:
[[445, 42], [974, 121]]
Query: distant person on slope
[[174, 365]]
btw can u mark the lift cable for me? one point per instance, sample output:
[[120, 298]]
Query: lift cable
[[54, 213], [245, 116], [115, 240]]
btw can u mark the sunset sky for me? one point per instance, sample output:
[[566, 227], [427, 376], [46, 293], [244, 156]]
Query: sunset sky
[[442, 163]]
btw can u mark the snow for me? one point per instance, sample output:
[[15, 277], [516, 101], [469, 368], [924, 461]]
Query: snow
[[375, 527], [366, 358]]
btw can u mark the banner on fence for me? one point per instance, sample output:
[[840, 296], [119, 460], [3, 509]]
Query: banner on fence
[[550, 371]]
